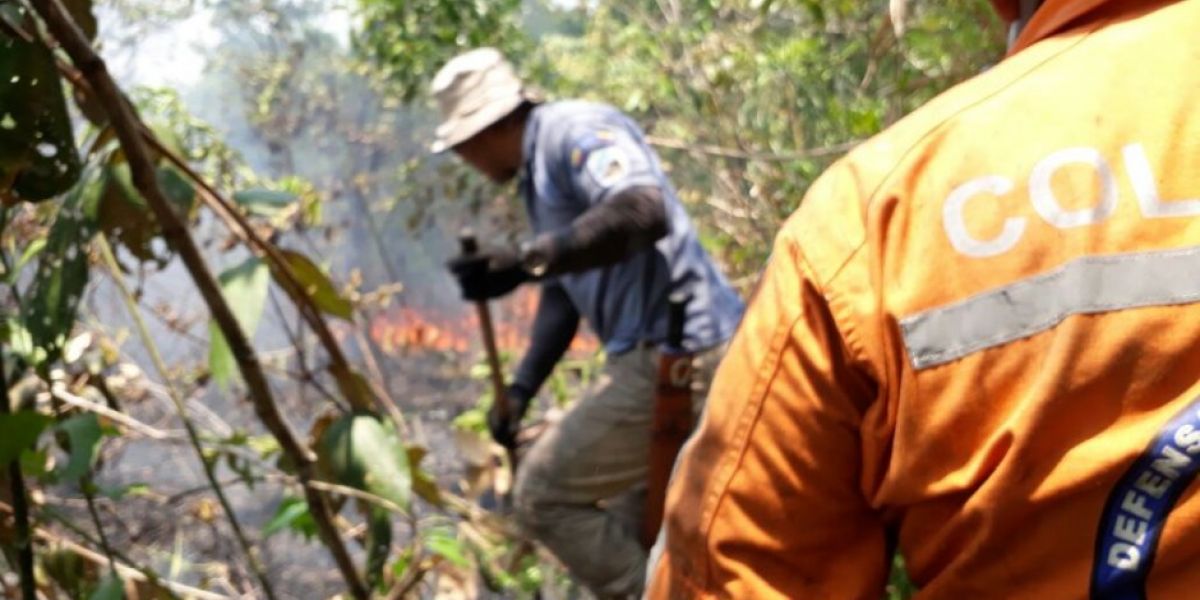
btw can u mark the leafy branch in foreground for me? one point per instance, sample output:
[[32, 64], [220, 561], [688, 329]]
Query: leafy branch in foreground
[[151, 186], [129, 130]]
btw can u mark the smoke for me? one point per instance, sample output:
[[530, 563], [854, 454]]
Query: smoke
[[276, 79]]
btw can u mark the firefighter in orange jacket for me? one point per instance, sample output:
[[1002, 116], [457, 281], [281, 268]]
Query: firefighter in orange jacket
[[978, 340]]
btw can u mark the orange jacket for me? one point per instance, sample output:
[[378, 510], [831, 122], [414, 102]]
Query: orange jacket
[[979, 339]]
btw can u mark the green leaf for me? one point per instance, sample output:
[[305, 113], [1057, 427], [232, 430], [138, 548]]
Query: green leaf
[[480, 371], [265, 446], [38, 158], [32, 250], [68, 570], [401, 564], [221, 364], [899, 585], [111, 588], [35, 463], [310, 210], [361, 451], [245, 288], [424, 485], [318, 286], [444, 543], [179, 191], [49, 312], [124, 215], [83, 436], [292, 514], [242, 468], [19, 431], [426, 488], [264, 203]]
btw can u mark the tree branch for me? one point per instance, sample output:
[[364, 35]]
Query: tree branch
[[89, 494], [128, 570], [236, 222], [60, 392], [20, 507], [181, 410], [758, 155], [129, 131]]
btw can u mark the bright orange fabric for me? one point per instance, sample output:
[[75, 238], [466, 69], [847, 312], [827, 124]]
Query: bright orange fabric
[[1056, 15], [822, 441]]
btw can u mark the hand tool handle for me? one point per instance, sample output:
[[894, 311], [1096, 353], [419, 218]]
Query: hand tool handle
[[469, 246]]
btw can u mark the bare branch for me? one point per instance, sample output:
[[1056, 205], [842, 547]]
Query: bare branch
[[756, 155], [236, 222], [126, 568], [60, 392], [172, 393]]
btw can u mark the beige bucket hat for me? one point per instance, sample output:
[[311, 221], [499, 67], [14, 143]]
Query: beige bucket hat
[[473, 91]]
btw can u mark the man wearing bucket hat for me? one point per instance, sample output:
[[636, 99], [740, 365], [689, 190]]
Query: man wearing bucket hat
[[611, 243]]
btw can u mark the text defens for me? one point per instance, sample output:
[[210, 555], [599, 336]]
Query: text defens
[[1041, 195], [1140, 515]]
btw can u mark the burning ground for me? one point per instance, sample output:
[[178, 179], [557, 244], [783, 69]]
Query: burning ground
[[400, 330]]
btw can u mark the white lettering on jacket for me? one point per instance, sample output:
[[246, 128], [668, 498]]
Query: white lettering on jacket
[[1041, 193], [1049, 207], [956, 227]]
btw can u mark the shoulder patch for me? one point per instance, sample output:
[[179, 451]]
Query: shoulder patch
[[607, 165], [589, 142]]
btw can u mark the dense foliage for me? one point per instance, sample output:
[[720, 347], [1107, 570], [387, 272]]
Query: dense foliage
[[748, 100]]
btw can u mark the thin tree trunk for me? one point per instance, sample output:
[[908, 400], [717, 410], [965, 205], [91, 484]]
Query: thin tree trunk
[[20, 507]]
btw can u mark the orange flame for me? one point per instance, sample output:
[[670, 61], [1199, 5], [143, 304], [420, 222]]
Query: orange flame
[[404, 329]]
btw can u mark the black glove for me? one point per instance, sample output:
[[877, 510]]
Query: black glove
[[488, 274], [505, 431]]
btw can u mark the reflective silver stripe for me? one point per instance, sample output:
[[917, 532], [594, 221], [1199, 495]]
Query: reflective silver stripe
[[1083, 286]]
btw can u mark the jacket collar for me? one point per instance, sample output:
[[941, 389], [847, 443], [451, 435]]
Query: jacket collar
[[1056, 16]]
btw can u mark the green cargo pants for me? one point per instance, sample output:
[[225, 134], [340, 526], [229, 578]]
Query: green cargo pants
[[580, 489]]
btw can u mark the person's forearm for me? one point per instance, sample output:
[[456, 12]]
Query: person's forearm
[[608, 233], [554, 327]]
